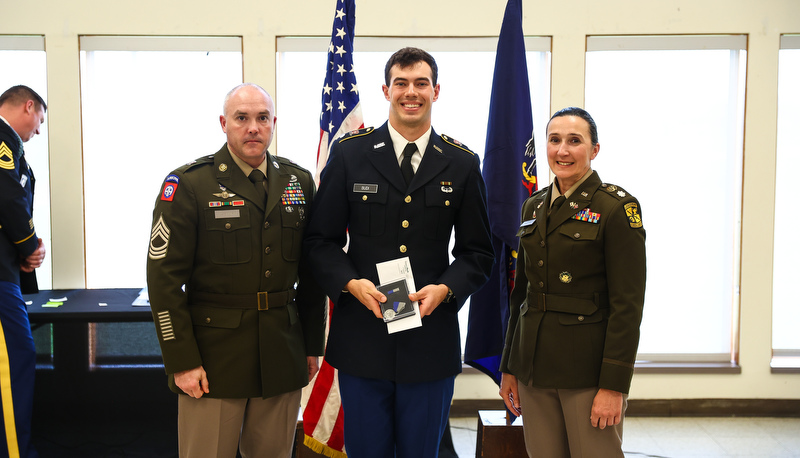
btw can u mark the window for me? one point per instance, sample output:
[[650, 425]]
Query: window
[[785, 310], [670, 116], [461, 110], [149, 105], [26, 56]]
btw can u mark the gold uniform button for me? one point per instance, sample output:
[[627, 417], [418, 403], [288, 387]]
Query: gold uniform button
[[208, 320], [268, 273], [408, 199], [541, 284], [446, 203], [227, 225], [405, 223], [577, 235], [581, 318], [267, 250], [266, 225], [403, 248], [540, 263], [364, 198], [541, 243]]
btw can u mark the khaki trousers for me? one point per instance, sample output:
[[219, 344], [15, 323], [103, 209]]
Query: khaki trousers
[[217, 428], [557, 424]]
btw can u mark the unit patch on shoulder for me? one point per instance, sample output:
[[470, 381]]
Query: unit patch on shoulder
[[170, 186], [632, 211], [159, 239], [6, 157]]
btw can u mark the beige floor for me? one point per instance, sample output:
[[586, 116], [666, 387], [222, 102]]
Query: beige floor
[[683, 437]]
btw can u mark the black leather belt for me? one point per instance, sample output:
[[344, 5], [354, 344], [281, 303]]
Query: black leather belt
[[261, 300]]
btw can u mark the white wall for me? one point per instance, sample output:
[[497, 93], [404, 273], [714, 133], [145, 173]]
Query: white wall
[[259, 22]]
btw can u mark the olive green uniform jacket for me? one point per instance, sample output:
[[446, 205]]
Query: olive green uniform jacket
[[221, 275], [578, 296]]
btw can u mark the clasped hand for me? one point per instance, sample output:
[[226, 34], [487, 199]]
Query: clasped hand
[[365, 291]]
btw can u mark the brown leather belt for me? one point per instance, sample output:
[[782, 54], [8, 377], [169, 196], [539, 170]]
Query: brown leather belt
[[261, 300]]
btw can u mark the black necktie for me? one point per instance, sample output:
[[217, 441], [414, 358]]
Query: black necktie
[[257, 177], [405, 166]]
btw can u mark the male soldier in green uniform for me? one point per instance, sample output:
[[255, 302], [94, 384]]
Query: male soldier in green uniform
[[239, 320]]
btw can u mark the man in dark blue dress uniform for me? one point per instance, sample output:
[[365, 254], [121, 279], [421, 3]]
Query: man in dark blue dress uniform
[[399, 191], [22, 112]]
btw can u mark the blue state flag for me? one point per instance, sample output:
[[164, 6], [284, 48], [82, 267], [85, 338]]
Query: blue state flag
[[509, 169]]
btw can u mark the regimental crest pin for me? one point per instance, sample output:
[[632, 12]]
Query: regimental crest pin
[[565, 277]]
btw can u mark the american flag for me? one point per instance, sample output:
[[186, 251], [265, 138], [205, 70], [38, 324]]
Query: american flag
[[341, 109], [323, 418]]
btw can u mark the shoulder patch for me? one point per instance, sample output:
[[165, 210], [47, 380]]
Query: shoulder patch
[[357, 133], [614, 190], [170, 187], [452, 141], [634, 217]]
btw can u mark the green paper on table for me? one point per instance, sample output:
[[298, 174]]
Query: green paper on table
[[55, 302]]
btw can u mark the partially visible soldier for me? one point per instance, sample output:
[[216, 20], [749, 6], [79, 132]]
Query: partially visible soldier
[[239, 320], [22, 113]]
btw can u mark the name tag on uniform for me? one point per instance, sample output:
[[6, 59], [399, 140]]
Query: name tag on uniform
[[527, 223], [368, 188], [224, 214]]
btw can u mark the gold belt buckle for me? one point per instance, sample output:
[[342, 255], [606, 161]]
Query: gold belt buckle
[[263, 300]]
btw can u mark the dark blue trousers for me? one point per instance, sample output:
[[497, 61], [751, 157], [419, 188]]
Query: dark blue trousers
[[385, 419], [17, 371]]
